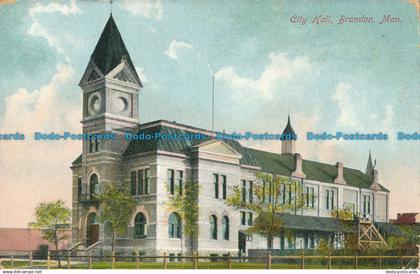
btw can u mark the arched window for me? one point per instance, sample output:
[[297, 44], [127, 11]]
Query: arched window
[[94, 184], [140, 226], [213, 227], [174, 226], [225, 227]]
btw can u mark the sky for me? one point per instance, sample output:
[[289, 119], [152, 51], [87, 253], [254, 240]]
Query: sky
[[354, 77]]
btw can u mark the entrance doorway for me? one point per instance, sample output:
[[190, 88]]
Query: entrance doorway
[[92, 229], [241, 243]]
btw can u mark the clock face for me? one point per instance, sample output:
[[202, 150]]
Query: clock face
[[121, 104], [95, 103]]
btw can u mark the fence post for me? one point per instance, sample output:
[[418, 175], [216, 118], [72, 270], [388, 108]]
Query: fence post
[[229, 261], [48, 259], [137, 260], [269, 259], [401, 262], [90, 260], [380, 262], [68, 260], [194, 260], [329, 261], [164, 260], [12, 259], [303, 261], [113, 259], [356, 262], [30, 259]]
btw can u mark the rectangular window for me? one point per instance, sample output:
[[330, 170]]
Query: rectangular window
[[79, 187], [330, 201], [289, 194], [243, 218], [216, 185], [263, 191], [133, 183], [140, 182], [90, 146], [312, 197], [244, 191], [270, 191], [146, 181], [250, 218], [309, 197], [171, 182], [224, 187], [180, 181], [97, 143], [366, 204], [327, 199], [251, 192], [283, 193]]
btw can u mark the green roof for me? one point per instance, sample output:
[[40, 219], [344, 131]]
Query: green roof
[[110, 50], [283, 164], [273, 163], [312, 223]]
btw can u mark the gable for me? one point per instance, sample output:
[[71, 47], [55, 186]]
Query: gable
[[123, 73], [218, 148]]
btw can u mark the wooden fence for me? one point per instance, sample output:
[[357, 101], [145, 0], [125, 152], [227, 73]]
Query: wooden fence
[[73, 261]]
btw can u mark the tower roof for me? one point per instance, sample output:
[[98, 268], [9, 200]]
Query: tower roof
[[369, 166], [288, 129], [110, 50]]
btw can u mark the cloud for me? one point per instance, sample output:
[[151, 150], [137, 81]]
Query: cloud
[[145, 8], [37, 29], [175, 46], [37, 169], [280, 69], [343, 99]]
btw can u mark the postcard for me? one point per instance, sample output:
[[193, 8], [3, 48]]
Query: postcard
[[185, 134]]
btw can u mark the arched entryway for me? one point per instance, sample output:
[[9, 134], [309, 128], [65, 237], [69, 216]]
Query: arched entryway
[[92, 225]]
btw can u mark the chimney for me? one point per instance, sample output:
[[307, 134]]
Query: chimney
[[375, 185], [298, 167], [339, 179]]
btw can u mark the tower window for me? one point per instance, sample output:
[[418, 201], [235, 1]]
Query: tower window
[[94, 184]]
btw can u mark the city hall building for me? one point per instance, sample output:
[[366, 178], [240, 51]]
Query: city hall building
[[154, 167]]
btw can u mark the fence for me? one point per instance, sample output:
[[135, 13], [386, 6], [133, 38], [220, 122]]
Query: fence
[[90, 261]]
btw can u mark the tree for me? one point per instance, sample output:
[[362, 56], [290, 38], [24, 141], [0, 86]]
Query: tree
[[272, 196], [185, 203], [116, 207], [51, 217]]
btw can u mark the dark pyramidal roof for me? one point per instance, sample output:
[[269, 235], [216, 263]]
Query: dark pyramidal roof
[[110, 50], [288, 129]]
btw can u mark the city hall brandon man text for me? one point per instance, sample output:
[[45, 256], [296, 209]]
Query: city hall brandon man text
[[111, 86]]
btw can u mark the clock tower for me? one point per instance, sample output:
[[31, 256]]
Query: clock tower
[[110, 87]]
